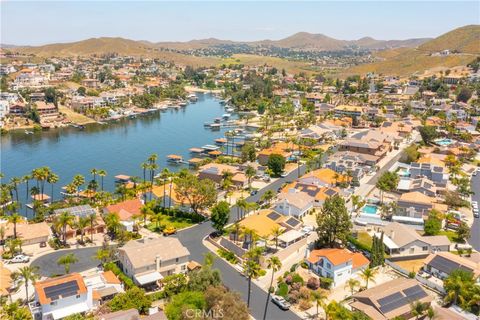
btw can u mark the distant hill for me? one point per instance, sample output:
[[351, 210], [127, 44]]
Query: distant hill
[[465, 41]]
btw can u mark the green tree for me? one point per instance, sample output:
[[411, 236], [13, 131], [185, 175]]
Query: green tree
[[410, 154], [274, 264], [199, 194], [251, 268], [250, 172], [433, 224], [220, 214], [387, 182], [248, 152], [27, 275], [368, 275], [133, 298], [15, 219], [463, 232], [428, 133], [276, 163], [333, 222], [174, 284], [231, 303], [418, 309], [180, 303], [66, 261], [61, 222], [352, 284]]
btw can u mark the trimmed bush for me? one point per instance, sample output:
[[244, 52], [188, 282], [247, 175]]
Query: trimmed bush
[[296, 278], [282, 290], [111, 266], [325, 283], [313, 283]]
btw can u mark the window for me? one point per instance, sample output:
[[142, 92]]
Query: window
[[183, 267], [53, 303], [425, 248], [78, 296], [176, 260], [329, 266]]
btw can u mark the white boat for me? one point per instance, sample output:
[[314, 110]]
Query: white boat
[[229, 109], [226, 115], [192, 97], [28, 132]]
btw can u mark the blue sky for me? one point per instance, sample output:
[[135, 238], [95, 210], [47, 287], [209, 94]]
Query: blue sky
[[40, 22]]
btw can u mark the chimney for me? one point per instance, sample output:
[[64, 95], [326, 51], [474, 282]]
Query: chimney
[[157, 262]]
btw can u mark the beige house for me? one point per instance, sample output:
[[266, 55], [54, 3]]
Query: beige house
[[390, 299], [402, 241], [441, 264], [29, 233], [148, 260]]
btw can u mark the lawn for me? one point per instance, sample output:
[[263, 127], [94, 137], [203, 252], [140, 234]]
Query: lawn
[[451, 235], [410, 265], [169, 221], [365, 239]]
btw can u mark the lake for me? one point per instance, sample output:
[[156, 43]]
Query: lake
[[118, 147]]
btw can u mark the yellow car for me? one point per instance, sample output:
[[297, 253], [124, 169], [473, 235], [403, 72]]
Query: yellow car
[[169, 231]]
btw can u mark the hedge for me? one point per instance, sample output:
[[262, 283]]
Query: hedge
[[358, 244], [111, 266]]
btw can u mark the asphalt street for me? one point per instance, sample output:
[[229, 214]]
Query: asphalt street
[[474, 240], [49, 267]]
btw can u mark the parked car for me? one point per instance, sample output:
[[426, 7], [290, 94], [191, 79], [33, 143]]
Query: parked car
[[19, 259], [475, 212], [281, 302], [169, 231], [254, 192], [284, 175], [307, 229]]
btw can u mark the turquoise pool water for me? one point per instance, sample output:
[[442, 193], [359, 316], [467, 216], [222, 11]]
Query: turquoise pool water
[[444, 142], [370, 209]]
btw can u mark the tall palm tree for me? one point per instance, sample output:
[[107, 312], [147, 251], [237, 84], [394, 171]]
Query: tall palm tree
[[52, 179], [274, 264], [15, 181], [78, 181], [102, 173], [80, 225], [94, 173], [145, 211], [276, 232], [26, 179], [164, 176], [252, 270], [113, 223], [368, 275], [66, 261], [28, 274], [352, 284], [15, 219], [13, 245], [63, 220], [320, 298], [92, 220]]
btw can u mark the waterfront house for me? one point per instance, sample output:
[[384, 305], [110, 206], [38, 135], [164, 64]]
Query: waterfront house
[[172, 198], [403, 241], [83, 211], [30, 233], [150, 259], [46, 109], [441, 265], [126, 211], [215, 172], [336, 264], [391, 299], [60, 297]]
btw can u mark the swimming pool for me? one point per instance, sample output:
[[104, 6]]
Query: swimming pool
[[370, 209], [444, 142], [403, 172]]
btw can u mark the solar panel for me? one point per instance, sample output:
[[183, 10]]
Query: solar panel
[[274, 215], [388, 299], [445, 265], [66, 289], [330, 192], [395, 304], [292, 222]]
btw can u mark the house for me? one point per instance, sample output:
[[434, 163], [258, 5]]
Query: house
[[83, 211], [318, 192], [294, 203], [148, 260], [167, 196], [441, 264], [57, 298], [401, 241], [413, 206], [372, 142], [281, 148], [126, 210], [336, 264], [323, 177], [215, 172], [422, 185], [265, 221], [105, 285], [391, 299], [431, 169], [30, 233], [348, 111]]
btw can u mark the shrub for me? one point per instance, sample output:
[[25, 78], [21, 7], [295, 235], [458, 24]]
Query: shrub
[[122, 276], [293, 296], [305, 293], [157, 295], [325, 283], [411, 274], [304, 304], [293, 267], [288, 279], [228, 255], [282, 289], [358, 244], [313, 283], [304, 265], [296, 278]]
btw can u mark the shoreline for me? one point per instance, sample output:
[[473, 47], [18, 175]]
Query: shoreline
[[200, 90]]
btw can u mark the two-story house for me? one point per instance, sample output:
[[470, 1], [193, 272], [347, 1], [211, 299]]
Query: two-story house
[[148, 260], [57, 298], [336, 264]]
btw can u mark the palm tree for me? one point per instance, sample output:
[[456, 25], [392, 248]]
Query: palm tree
[[277, 232], [431, 314], [252, 270], [144, 167], [320, 297], [250, 173], [15, 181], [274, 264], [418, 309], [78, 181], [52, 179], [92, 220], [268, 196], [102, 173], [368, 274], [63, 220], [352, 284], [26, 180], [13, 245], [81, 224], [27, 274], [145, 211], [113, 223], [66, 261], [2, 236], [94, 173], [164, 176], [14, 219]]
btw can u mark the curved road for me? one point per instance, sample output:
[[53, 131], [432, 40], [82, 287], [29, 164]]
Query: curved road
[[475, 229], [49, 267]]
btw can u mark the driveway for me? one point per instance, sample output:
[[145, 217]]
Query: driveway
[[49, 267], [192, 240], [475, 229]]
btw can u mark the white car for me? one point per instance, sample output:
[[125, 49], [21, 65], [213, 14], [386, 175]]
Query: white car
[[307, 229], [19, 259], [475, 212]]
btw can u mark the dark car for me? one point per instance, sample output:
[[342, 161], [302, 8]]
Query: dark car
[[254, 192], [281, 302]]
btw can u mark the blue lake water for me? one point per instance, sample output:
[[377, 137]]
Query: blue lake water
[[118, 148]]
